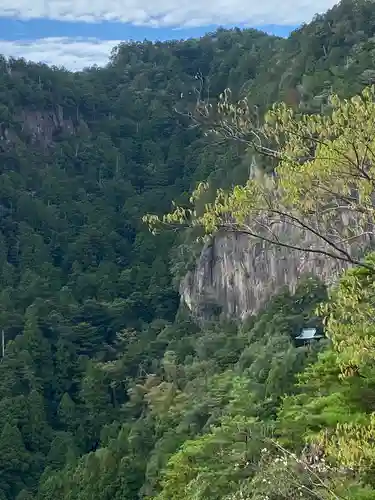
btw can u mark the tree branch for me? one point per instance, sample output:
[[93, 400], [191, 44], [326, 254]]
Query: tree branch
[[343, 258]]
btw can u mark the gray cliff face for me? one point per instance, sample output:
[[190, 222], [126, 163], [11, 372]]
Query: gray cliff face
[[237, 275], [41, 126]]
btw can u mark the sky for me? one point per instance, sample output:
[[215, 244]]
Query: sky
[[79, 33]]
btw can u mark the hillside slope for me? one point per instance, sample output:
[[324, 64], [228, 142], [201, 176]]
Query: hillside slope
[[94, 353]]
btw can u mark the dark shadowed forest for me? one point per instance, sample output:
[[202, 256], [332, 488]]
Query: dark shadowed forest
[[109, 388]]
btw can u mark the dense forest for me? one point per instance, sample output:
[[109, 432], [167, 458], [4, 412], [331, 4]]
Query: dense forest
[[109, 389]]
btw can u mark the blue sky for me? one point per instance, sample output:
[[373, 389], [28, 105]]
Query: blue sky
[[79, 33]]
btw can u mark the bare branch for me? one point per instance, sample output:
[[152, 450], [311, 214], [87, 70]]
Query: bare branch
[[237, 229]]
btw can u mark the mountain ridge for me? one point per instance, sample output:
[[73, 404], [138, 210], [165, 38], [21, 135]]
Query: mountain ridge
[[107, 387]]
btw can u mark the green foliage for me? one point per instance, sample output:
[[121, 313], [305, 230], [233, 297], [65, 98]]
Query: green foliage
[[198, 421], [335, 405], [318, 199], [104, 392]]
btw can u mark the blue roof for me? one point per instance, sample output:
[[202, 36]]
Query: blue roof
[[308, 333]]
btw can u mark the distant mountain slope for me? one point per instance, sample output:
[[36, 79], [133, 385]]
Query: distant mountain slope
[[83, 156]]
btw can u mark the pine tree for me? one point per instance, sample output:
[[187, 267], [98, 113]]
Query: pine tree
[[14, 461]]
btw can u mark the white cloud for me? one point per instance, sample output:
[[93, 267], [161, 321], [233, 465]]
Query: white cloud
[[169, 12], [76, 53], [72, 53]]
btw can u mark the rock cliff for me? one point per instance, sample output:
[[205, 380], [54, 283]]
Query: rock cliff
[[236, 275], [40, 126]]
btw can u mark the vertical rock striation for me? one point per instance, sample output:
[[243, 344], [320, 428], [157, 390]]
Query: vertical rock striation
[[237, 275]]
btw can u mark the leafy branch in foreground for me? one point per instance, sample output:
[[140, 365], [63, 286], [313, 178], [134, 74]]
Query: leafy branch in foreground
[[320, 198], [284, 475], [230, 121]]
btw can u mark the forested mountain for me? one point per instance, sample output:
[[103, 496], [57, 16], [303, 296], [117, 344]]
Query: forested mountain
[[109, 390]]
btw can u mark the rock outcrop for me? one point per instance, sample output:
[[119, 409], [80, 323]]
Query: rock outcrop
[[236, 275], [40, 126]]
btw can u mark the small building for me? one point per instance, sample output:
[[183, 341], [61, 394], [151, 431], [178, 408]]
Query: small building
[[309, 334]]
